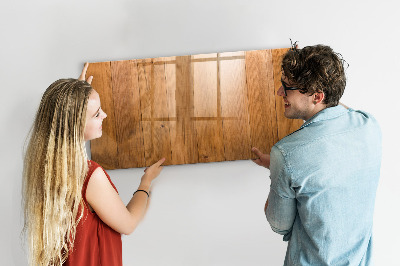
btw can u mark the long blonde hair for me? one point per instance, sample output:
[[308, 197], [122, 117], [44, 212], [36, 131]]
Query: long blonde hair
[[55, 167]]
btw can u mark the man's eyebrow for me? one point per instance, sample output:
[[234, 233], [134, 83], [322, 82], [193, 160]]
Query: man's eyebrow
[[287, 85]]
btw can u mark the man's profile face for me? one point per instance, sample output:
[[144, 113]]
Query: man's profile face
[[297, 104]]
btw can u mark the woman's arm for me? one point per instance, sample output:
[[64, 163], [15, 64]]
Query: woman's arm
[[108, 205]]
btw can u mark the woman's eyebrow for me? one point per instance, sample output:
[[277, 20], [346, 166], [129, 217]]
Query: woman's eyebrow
[[96, 111]]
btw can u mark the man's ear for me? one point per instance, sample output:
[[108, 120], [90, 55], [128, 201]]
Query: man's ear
[[318, 97]]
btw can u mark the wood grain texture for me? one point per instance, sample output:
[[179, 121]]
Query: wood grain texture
[[146, 87], [207, 121], [261, 100], [189, 109], [234, 104], [104, 150], [155, 110], [129, 132], [285, 125], [185, 139]]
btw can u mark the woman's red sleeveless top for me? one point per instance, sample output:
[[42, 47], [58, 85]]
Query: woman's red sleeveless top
[[95, 242]]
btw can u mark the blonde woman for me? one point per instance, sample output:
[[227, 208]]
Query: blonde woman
[[73, 213]]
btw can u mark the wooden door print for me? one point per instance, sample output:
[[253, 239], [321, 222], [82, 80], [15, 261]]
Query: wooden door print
[[189, 109]]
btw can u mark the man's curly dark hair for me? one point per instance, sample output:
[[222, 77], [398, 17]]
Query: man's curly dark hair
[[316, 69]]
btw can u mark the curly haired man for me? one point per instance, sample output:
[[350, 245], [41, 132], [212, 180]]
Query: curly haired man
[[324, 176]]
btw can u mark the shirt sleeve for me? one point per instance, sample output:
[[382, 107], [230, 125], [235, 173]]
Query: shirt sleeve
[[281, 210]]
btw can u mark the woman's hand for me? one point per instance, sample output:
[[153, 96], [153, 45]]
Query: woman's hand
[[263, 159], [83, 74], [152, 172]]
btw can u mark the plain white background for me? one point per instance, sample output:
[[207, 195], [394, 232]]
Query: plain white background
[[204, 214]]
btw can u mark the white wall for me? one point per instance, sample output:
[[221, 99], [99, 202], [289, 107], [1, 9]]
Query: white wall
[[204, 214]]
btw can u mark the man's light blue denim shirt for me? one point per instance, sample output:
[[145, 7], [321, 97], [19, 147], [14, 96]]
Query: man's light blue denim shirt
[[324, 178]]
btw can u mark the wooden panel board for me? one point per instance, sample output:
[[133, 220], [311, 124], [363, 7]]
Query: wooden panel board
[[104, 150], [207, 120], [261, 100], [234, 104], [285, 125], [209, 141], [129, 132], [185, 140], [189, 109]]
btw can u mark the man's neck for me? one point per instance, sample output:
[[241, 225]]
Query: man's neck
[[318, 108]]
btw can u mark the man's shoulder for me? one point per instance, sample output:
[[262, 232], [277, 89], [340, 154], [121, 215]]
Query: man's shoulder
[[294, 142], [321, 129], [365, 116]]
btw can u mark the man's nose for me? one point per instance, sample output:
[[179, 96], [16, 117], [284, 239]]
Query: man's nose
[[280, 91]]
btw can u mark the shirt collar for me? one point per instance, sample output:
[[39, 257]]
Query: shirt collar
[[326, 114]]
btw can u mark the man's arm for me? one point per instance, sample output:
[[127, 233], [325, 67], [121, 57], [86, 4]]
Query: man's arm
[[280, 208]]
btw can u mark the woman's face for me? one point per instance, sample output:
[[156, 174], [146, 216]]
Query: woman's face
[[94, 117]]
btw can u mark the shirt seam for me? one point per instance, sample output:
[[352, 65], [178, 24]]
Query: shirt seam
[[282, 197], [315, 120], [287, 168], [309, 143], [321, 138]]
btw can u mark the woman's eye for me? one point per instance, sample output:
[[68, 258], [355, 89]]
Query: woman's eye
[[97, 115]]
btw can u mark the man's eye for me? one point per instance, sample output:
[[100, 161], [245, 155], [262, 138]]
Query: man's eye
[[97, 115]]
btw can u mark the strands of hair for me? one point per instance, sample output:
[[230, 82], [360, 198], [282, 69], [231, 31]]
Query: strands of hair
[[316, 69], [55, 166]]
